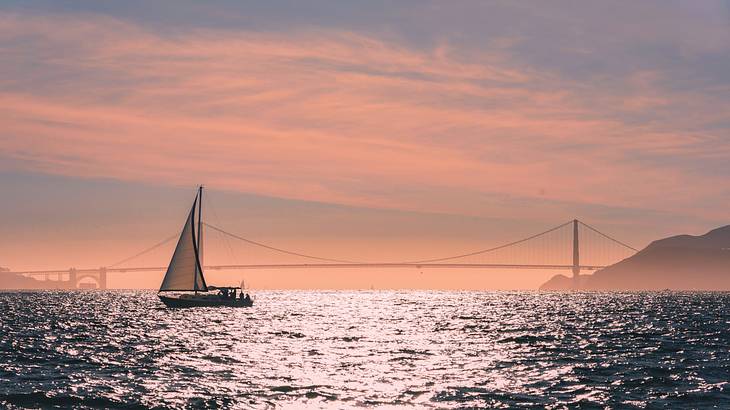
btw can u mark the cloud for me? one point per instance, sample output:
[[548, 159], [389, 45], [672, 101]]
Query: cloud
[[337, 116]]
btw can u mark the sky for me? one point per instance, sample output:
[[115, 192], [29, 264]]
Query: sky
[[349, 129]]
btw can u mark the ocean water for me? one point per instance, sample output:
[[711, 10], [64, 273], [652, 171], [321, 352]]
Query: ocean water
[[318, 349]]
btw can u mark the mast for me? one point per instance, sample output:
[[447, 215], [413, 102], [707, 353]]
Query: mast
[[200, 225]]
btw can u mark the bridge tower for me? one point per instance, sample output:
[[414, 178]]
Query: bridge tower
[[102, 278], [72, 278], [576, 255]]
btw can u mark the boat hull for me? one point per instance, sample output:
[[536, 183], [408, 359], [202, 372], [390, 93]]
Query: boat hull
[[207, 301]]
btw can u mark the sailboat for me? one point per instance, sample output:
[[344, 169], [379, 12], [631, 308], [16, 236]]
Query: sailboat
[[185, 271]]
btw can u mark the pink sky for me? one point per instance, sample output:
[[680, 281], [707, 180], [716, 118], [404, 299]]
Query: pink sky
[[351, 116]]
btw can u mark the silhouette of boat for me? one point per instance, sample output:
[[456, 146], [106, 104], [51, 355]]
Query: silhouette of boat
[[185, 271]]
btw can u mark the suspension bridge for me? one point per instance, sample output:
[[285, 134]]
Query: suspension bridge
[[573, 246]]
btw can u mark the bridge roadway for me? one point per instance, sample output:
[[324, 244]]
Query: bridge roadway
[[320, 266]]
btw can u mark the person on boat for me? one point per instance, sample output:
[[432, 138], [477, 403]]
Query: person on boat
[[247, 299]]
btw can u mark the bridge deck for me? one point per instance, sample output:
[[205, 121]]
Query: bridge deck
[[322, 266]]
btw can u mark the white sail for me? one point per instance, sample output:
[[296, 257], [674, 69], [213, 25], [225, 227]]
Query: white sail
[[184, 272]]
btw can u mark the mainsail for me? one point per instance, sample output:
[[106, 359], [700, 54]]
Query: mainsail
[[185, 272]]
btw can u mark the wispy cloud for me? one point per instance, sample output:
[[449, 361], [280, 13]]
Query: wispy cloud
[[337, 116]]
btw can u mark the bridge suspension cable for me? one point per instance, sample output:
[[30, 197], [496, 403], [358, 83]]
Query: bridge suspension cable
[[150, 249], [541, 251], [608, 237], [496, 248], [215, 228]]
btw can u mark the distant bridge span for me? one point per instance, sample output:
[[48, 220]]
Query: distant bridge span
[[534, 252], [317, 266]]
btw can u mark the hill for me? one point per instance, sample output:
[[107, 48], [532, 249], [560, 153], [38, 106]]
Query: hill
[[682, 262], [13, 281]]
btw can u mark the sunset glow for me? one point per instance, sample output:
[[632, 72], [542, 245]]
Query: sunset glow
[[519, 130], [336, 204]]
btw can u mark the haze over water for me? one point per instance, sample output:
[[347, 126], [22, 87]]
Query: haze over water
[[367, 348]]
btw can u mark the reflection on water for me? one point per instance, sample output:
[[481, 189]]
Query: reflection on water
[[345, 349]]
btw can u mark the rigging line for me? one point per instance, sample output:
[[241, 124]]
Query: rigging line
[[608, 237], [153, 247], [491, 249], [229, 248], [276, 249]]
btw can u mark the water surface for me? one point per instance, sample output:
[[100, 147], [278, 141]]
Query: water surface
[[374, 348]]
